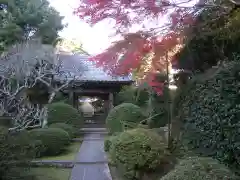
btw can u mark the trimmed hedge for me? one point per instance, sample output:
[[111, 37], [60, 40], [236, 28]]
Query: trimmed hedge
[[200, 168], [108, 143], [137, 151], [64, 113], [72, 131], [16, 152], [54, 140], [210, 112], [124, 116]]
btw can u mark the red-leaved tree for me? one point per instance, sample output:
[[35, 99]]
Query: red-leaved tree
[[149, 50]]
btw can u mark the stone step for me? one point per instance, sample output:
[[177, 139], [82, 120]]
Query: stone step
[[84, 131], [87, 139], [93, 129]]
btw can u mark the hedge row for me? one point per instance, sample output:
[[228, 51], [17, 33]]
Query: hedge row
[[200, 168], [137, 152], [210, 113], [16, 152]]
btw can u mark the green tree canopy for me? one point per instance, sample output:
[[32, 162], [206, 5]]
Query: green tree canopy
[[213, 38], [21, 19]]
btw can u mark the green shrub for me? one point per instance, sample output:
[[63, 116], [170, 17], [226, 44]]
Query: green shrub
[[210, 113], [199, 168], [123, 116], [72, 131], [16, 152], [54, 140], [108, 143], [130, 94], [137, 151], [64, 113]]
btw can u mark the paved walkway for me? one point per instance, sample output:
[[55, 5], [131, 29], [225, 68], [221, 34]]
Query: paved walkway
[[91, 160]]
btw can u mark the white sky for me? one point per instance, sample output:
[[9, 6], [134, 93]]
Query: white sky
[[94, 39]]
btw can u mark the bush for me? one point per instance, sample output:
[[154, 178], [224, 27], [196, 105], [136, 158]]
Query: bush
[[108, 143], [72, 131], [16, 151], [123, 116], [137, 151], [54, 140], [64, 113], [199, 168], [130, 94], [210, 113]]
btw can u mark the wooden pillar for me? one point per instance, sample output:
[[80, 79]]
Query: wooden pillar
[[110, 101], [71, 97], [76, 102]]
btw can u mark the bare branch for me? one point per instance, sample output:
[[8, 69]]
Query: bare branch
[[25, 66]]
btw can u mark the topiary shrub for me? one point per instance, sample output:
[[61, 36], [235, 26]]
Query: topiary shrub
[[137, 151], [124, 116], [72, 131], [64, 113], [54, 140], [210, 114], [200, 168], [16, 152], [108, 143]]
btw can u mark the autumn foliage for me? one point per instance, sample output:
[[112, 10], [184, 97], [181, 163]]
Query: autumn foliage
[[147, 50]]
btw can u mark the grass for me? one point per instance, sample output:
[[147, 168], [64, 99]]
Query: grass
[[45, 173], [69, 154]]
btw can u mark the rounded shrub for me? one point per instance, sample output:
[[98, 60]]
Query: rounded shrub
[[137, 151], [16, 152], [200, 168], [124, 116], [54, 140], [210, 114], [72, 131], [60, 112]]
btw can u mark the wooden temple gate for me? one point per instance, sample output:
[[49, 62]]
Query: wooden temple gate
[[104, 90], [91, 81]]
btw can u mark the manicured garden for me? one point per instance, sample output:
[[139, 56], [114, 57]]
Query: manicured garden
[[52, 143], [204, 143]]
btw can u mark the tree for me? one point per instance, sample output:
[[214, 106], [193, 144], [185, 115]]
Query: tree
[[148, 50], [149, 45], [71, 45], [21, 19], [25, 68], [212, 39]]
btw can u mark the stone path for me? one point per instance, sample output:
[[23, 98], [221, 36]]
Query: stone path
[[91, 161]]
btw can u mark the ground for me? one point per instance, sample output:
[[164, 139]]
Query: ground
[[50, 173]]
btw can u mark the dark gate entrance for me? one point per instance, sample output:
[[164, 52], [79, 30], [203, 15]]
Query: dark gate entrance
[[103, 90]]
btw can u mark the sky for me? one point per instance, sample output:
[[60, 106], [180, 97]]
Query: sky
[[95, 39]]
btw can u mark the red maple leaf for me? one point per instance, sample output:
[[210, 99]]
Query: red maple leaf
[[127, 54]]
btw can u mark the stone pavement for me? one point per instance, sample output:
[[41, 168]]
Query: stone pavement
[[91, 161]]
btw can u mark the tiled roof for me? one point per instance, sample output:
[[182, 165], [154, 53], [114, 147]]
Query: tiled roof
[[83, 69]]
